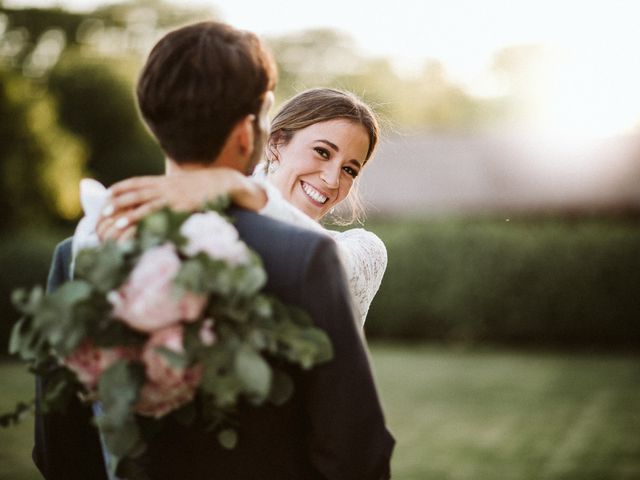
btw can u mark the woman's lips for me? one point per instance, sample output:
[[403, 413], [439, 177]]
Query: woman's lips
[[313, 193]]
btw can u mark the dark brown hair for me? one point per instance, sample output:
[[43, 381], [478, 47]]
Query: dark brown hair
[[197, 83]]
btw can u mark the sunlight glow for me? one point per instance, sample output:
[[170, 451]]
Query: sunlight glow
[[588, 88]]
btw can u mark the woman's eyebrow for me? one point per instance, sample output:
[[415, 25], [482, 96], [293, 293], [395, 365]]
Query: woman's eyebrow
[[331, 144]]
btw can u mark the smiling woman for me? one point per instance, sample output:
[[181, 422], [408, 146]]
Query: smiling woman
[[320, 140], [318, 166]]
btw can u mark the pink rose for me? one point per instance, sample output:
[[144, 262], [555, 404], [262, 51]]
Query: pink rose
[[88, 362], [168, 387], [147, 301], [210, 233]]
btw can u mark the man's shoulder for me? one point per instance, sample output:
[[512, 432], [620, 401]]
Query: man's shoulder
[[62, 254], [289, 253], [266, 233], [60, 269], [64, 247], [248, 220]]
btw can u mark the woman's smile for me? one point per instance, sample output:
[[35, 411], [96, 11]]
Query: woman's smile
[[314, 194]]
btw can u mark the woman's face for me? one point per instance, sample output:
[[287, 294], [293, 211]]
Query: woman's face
[[319, 164]]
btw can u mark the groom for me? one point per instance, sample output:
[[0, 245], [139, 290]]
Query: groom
[[204, 93]]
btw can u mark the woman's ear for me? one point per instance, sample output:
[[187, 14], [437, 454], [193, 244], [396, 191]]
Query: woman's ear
[[271, 151]]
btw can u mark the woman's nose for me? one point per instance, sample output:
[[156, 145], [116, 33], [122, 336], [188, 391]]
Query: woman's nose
[[330, 175]]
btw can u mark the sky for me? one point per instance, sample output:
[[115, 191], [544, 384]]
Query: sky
[[592, 86]]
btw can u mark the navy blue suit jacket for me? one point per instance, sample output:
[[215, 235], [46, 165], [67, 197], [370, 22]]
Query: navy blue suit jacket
[[333, 428]]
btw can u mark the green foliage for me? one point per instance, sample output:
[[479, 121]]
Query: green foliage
[[18, 414], [253, 372], [118, 391], [104, 268], [50, 323], [40, 161], [533, 280], [228, 438]]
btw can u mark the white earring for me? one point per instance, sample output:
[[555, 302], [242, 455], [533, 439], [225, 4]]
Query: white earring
[[273, 166]]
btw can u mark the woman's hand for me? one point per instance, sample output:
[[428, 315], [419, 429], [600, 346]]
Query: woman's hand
[[134, 198]]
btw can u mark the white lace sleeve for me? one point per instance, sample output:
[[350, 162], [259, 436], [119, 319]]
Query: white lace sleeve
[[364, 257]]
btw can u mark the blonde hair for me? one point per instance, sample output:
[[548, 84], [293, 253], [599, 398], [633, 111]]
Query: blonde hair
[[318, 105]]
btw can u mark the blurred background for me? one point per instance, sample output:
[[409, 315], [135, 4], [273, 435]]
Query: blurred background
[[505, 336]]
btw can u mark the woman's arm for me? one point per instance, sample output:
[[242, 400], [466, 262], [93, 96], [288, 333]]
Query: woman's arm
[[134, 198], [364, 257]]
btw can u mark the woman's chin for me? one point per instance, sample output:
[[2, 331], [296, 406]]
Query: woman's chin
[[309, 207]]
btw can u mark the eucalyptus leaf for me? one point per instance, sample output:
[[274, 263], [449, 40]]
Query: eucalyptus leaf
[[322, 343], [121, 441], [192, 276], [219, 204], [19, 298], [261, 307], [27, 302], [20, 411], [228, 438], [118, 391], [69, 294], [281, 388], [252, 371], [223, 388], [19, 336], [153, 229], [59, 387], [103, 266], [249, 279]]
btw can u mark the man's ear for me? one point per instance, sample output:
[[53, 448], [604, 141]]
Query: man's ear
[[243, 134]]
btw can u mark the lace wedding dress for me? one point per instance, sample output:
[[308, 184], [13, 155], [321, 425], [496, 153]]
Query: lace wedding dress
[[362, 253]]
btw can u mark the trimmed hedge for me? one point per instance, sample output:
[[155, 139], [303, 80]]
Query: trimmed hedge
[[537, 280]]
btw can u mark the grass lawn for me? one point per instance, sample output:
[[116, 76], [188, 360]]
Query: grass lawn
[[473, 415]]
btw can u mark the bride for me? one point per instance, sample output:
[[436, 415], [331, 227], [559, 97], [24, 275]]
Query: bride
[[320, 141]]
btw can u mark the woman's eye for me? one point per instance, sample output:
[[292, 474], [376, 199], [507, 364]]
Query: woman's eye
[[323, 152], [351, 171]]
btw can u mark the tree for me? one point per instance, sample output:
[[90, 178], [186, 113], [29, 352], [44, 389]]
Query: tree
[[97, 104], [40, 162]]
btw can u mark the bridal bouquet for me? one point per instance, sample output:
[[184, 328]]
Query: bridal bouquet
[[173, 323]]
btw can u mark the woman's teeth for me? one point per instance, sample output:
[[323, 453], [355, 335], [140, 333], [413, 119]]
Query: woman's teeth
[[313, 193]]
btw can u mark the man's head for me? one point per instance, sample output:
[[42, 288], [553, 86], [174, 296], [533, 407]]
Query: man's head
[[202, 93]]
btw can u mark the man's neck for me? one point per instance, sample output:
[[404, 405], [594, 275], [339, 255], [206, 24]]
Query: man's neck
[[171, 167]]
